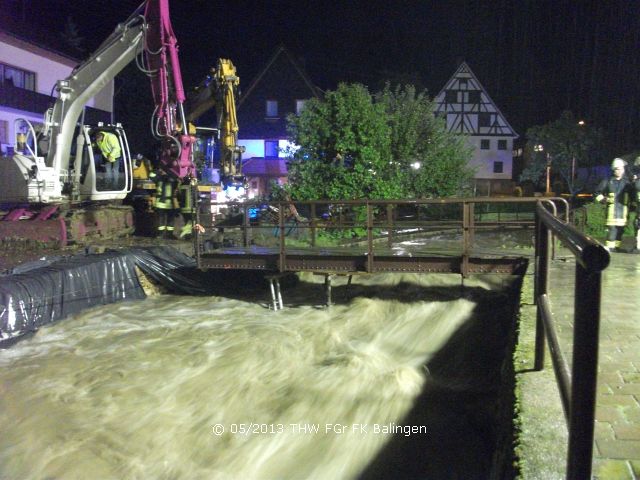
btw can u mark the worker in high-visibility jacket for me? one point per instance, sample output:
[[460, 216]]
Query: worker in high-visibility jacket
[[165, 204], [617, 193], [185, 199], [109, 146]]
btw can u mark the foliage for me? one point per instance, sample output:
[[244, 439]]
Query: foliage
[[566, 145], [344, 148], [591, 219], [418, 137], [354, 145], [71, 37]]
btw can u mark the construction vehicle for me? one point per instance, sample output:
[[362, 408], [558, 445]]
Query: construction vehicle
[[220, 90], [60, 189]]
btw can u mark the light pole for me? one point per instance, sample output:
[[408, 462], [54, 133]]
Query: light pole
[[540, 148]]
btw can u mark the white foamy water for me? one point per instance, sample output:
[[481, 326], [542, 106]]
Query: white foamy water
[[215, 388]]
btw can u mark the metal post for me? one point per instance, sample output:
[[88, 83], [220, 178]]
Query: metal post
[[390, 225], [584, 372], [327, 288], [464, 266], [245, 226], [273, 295], [541, 285], [196, 234], [369, 238], [281, 265], [313, 224], [278, 293]]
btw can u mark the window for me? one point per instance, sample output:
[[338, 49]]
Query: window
[[254, 185], [485, 144], [502, 144], [271, 148], [272, 108], [300, 106], [484, 119], [474, 96], [451, 96], [497, 167], [17, 77]]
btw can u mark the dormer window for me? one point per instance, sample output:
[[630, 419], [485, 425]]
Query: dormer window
[[272, 108]]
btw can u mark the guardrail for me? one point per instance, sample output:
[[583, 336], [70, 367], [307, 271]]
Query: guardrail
[[577, 385], [371, 219]]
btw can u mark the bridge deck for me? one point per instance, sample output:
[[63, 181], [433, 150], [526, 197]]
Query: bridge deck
[[344, 260]]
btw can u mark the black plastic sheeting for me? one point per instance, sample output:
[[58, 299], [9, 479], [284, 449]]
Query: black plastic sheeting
[[45, 292]]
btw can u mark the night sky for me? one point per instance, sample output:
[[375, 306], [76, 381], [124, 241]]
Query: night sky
[[534, 57]]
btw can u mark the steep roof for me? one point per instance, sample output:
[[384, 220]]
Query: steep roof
[[464, 101], [281, 51], [282, 80]]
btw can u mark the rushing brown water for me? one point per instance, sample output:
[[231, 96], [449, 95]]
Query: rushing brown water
[[392, 382]]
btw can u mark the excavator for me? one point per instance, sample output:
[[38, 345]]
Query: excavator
[[214, 146], [220, 90], [54, 181]]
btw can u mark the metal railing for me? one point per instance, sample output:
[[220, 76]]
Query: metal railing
[[577, 384], [375, 220]]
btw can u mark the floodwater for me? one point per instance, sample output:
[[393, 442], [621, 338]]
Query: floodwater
[[399, 379]]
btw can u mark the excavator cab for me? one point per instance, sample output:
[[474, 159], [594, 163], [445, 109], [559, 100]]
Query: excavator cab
[[97, 178]]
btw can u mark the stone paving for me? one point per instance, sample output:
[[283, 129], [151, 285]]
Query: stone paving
[[617, 428]]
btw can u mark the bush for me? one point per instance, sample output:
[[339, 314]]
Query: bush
[[591, 219]]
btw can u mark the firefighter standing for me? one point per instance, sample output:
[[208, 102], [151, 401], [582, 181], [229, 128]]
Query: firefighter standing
[[616, 192], [165, 204]]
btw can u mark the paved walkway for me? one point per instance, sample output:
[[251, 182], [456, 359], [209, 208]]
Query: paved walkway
[[617, 429]]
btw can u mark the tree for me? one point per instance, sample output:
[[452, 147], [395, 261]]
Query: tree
[[566, 145], [433, 161], [344, 149], [355, 145], [71, 37]]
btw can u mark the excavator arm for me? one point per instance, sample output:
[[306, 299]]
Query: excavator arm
[[147, 31], [219, 90]]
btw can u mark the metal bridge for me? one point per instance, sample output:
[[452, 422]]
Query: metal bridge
[[348, 237]]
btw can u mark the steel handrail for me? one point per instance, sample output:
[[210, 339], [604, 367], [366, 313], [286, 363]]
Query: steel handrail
[[577, 385]]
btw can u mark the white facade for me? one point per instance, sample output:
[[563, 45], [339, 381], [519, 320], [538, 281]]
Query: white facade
[[48, 67], [257, 147], [469, 110]]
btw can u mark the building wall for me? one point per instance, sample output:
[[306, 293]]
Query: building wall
[[483, 160], [256, 148], [49, 67]]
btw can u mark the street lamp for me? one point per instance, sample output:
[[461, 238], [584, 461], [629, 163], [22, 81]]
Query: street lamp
[[540, 148]]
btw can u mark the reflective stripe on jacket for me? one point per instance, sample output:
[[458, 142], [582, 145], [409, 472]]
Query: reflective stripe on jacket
[[184, 198], [164, 193], [618, 194]]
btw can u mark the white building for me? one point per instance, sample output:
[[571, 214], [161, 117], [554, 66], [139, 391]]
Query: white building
[[469, 110], [28, 74]]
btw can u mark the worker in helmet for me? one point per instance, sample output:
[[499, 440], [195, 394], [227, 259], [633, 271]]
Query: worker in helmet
[[165, 204], [109, 147], [616, 192]]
